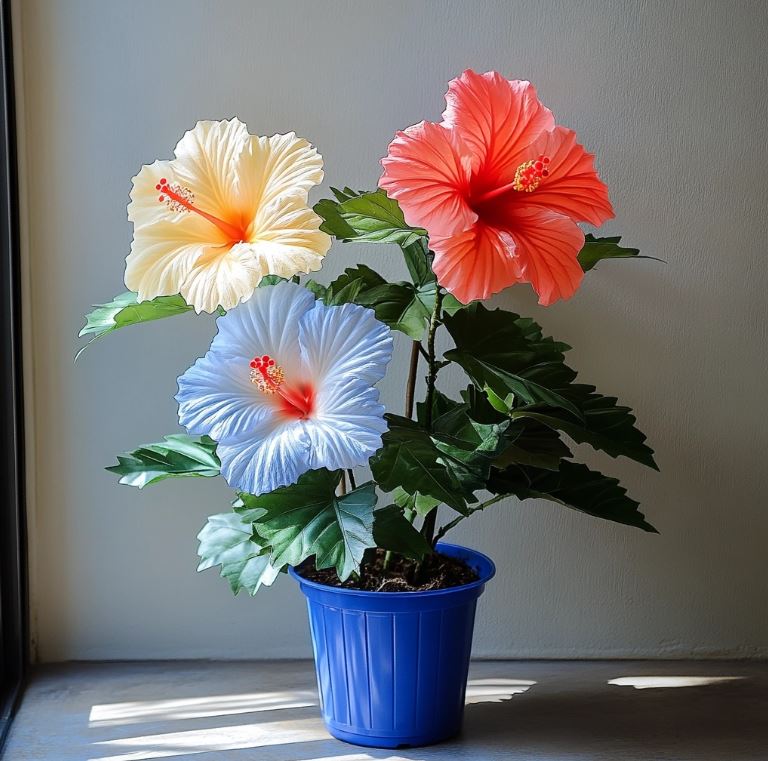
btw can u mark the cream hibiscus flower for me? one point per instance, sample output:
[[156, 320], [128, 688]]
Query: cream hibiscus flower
[[228, 210]]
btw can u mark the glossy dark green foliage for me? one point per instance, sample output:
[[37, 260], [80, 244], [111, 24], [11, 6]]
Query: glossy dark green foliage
[[228, 540], [125, 310], [177, 456], [597, 249], [573, 485], [392, 531], [309, 519]]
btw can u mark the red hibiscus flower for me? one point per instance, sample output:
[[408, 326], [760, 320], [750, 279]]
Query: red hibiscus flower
[[499, 187]]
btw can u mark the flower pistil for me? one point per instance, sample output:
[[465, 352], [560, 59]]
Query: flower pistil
[[269, 379], [179, 198]]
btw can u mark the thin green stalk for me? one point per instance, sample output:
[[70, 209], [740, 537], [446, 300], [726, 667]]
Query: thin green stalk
[[410, 389], [351, 475], [428, 529], [455, 522]]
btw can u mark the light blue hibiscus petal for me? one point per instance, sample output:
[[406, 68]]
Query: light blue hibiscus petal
[[347, 425], [217, 398], [267, 323], [344, 341], [273, 455]]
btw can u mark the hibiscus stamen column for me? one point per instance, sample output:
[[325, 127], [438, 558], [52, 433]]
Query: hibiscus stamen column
[[428, 529], [179, 199]]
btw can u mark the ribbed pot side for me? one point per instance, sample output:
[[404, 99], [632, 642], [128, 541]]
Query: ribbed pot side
[[392, 666]]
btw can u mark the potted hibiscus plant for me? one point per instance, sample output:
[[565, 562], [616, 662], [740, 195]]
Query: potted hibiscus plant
[[284, 404]]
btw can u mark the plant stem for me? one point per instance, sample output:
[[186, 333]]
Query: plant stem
[[428, 529], [351, 475], [455, 522], [412, 370]]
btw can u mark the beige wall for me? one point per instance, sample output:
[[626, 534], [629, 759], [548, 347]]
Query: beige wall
[[670, 95]]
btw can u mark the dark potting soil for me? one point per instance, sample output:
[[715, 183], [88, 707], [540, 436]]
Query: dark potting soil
[[403, 575]]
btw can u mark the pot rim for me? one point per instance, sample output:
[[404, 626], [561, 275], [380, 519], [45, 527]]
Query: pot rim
[[484, 579]]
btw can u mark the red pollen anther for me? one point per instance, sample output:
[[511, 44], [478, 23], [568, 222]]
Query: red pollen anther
[[163, 181]]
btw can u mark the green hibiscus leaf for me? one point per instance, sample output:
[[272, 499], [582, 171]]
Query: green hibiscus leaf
[[367, 217], [419, 503], [573, 485], [268, 280], [467, 446], [333, 222], [178, 455], [525, 442], [309, 518], [597, 249], [603, 424], [410, 459], [354, 280], [393, 531], [228, 540], [451, 304], [524, 374], [530, 443], [125, 310], [346, 193], [319, 291], [418, 259], [401, 306], [508, 355]]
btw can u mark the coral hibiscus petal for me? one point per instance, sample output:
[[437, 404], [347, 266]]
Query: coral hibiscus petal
[[572, 187], [548, 245], [496, 118], [271, 456], [344, 341], [424, 170], [476, 263]]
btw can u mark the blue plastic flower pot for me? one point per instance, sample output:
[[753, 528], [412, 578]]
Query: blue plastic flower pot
[[392, 666]]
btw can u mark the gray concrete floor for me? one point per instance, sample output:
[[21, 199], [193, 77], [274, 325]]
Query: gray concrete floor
[[532, 710]]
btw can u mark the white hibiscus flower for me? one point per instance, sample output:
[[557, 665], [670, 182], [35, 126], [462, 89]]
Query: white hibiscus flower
[[288, 386]]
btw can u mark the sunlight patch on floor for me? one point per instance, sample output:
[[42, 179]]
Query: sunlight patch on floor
[[495, 690], [193, 741], [119, 714], [352, 757], [651, 682]]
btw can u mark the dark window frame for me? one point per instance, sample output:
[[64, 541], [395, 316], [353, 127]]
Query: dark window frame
[[13, 589]]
